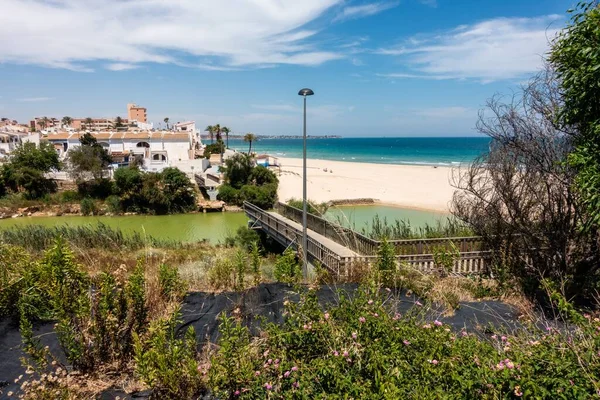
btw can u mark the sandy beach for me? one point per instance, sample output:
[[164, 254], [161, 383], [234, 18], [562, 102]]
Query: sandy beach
[[419, 187]]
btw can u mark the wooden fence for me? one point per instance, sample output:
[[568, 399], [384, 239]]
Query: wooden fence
[[367, 246]]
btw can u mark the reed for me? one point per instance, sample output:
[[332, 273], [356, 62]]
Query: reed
[[380, 228]]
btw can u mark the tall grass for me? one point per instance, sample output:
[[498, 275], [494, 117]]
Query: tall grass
[[401, 229], [37, 237]]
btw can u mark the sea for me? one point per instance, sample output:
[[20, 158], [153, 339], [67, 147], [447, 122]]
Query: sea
[[447, 151]]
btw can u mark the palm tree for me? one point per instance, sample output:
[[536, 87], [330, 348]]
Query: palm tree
[[217, 128], [118, 122], [167, 122], [226, 131], [89, 122], [67, 121], [211, 130], [44, 123], [250, 137]]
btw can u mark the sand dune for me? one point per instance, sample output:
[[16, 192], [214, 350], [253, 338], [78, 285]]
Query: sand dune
[[421, 187]]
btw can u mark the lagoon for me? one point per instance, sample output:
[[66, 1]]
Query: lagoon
[[215, 227]]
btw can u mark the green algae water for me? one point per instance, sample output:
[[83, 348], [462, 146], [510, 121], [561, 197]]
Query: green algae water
[[186, 228], [359, 217], [215, 227]]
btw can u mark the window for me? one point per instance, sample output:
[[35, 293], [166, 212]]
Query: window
[[159, 157], [143, 144]]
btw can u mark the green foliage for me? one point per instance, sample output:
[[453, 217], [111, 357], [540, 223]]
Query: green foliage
[[89, 160], [214, 148], [69, 196], [113, 204], [26, 168], [88, 206], [170, 283], [243, 182], [261, 196], [166, 363], [240, 269], [576, 58], [99, 188], [361, 348], [167, 192], [312, 207], [255, 262], [237, 170], [402, 229], [220, 275], [136, 297], [444, 257], [287, 269]]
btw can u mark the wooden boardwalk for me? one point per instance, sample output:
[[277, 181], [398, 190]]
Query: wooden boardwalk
[[340, 249]]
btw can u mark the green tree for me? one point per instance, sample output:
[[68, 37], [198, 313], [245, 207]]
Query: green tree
[[89, 122], [575, 56], [67, 121], [25, 171], [44, 123], [89, 159], [262, 176], [226, 131], [178, 191], [237, 170], [167, 122], [250, 138], [211, 131], [118, 122]]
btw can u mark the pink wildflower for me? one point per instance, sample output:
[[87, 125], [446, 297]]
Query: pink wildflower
[[266, 353], [296, 385], [494, 337], [437, 323], [375, 315], [305, 327], [294, 368], [370, 302], [326, 316], [335, 353], [268, 386], [362, 320], [354, 335], [256, 373], [464, 333], [503, 338], [236, 393], [571, 382], [518, 392], [434, 362], [406, 342], [418, 303], [277, 361], [286, 374], [426, 326], [510, 365], [397, 317], [345, 354], [269, 361]]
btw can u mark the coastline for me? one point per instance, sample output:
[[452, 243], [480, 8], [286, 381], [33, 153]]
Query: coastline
[[416, 187]]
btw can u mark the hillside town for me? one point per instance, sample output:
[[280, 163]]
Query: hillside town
[[128, 141]]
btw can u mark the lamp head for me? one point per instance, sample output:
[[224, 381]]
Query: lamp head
[[306, 92]]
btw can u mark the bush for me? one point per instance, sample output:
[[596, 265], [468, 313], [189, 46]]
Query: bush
[[96, 189], [88, 206], [69, 196], [113, 204], [312, 207], [214, 148], [362, 348], [261, 175], [261, 196], [287, 269], [246, 237], [229, 195], [220, 275]]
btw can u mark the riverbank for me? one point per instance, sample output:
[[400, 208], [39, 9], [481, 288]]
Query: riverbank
[[406, 186]]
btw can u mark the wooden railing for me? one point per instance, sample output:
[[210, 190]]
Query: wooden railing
[[287, 234], [367, 246]]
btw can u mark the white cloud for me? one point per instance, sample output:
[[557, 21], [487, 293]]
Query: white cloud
[[206, 34], [501, 48], [34, 99], [430, 3], [121, 67], [364, 10]]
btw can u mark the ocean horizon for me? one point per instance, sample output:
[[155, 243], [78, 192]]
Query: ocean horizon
[[434, 151]]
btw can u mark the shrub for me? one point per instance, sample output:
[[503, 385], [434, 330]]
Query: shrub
[[214, 148], [312, 207], [246, 237], [229, 195], [170, 283], [113, 204], [261, 175], [240, 269], [261, 196], [220, 275], [168, 364], [69, 196], [88, 206], [255, 262], [97, 188], [287, 268]]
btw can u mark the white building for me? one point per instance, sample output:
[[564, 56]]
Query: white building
[[158, 150]]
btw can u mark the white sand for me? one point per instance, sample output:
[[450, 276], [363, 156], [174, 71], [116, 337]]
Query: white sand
[[420, 187]]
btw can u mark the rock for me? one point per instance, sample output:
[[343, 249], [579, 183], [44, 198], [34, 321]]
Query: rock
[[16, 215]]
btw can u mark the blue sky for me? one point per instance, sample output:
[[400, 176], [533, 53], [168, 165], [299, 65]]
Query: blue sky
[[382, 68]]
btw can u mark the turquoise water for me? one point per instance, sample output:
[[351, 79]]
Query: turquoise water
[[415, 151]]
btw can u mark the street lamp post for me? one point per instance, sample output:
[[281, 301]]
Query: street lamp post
[[304, 93]]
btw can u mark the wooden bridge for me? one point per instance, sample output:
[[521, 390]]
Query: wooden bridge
[[340, 249]]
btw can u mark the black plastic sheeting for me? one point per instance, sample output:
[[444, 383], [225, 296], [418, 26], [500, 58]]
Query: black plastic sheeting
[[264, 302]]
